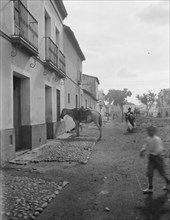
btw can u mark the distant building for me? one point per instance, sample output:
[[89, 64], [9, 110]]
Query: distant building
[[164, 102], [129, 105], [90, 89], [153, 111], [74, 60], [142, 108]]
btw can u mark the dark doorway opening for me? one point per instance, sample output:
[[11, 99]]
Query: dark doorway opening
[[17, 111]]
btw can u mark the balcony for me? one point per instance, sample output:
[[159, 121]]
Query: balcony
[[26, 29], [54, 58], [62, 62]]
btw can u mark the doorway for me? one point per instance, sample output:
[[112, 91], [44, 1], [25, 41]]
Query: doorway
[[58, 105], [48, 111], [17, 111]]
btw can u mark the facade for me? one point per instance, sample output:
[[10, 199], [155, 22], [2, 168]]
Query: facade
[[73, 90], [33, 69], [74, 59], [164, 102], [43, 75], [90, 89]]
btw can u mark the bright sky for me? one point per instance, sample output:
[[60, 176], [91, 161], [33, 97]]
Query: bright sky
[[125, 43]]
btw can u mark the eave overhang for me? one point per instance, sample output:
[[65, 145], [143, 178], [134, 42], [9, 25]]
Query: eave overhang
[[90, 94], [74, 41], [61, 7]]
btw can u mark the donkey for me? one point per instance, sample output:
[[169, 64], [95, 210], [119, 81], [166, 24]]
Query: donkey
[[84, 116]]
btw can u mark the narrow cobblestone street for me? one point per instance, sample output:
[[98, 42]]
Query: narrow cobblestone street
[[79, 179]]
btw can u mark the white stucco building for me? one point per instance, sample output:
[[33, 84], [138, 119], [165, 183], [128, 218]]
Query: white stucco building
[[164, 102], [74, 60], [90, 88], [73, 89], [33, 68], [40, 74]]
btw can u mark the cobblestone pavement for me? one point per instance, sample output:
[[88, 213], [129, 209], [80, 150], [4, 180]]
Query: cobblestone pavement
[[77, 151], [23, 197], [64, 150]]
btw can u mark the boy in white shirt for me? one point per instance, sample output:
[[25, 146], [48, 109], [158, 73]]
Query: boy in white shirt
[[155, 151]]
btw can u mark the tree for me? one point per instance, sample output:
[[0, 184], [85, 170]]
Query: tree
[[148, 99], [118, 97]]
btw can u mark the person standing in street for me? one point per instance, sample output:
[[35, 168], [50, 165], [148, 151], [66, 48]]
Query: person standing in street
[[155, 149], [130, 120]]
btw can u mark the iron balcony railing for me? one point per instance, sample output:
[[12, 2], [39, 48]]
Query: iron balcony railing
[[62, 62], [54, 55], [51, 51], [26, 26]]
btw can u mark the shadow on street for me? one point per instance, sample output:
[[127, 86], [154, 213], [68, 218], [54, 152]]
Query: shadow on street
[[154, 208]]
